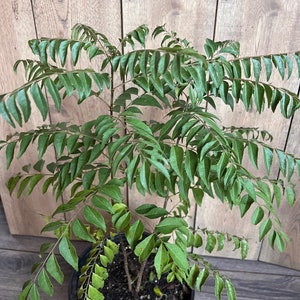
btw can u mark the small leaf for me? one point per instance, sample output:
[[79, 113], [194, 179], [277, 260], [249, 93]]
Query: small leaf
[[253, 154], [94, 217], [80, 230], [145, 247], [169, 224], [219, 285], [268, 158], [54, 269], [210, 242], [264, 228], [204, 273], [134, 233], [230, 290], [9, 152], [160, 260], [257, 215], [68, 252], [45, 283], [178, 256], [94, 294]]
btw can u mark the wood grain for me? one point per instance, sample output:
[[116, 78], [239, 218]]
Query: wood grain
[[193, 20], [260, 27]]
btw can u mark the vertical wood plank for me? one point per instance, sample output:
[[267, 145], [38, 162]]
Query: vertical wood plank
[[24, 215], [290, 216], [261, 27], [193, 20], [53, 19]]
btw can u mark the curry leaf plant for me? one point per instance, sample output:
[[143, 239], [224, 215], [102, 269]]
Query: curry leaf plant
[[184, 155]]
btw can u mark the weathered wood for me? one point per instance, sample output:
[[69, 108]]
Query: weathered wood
[[290, 217], [25, 216], [193, 20], [260, 27]]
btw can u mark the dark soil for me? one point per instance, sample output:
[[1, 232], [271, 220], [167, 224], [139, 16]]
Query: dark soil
[[116, 285]]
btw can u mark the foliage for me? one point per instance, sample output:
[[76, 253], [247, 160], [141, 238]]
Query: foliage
[[185, 155]]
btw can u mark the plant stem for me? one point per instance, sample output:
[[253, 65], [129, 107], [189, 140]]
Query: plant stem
[[129, 280], [140, 276]]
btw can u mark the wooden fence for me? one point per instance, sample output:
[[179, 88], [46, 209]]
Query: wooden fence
[[260, 26]]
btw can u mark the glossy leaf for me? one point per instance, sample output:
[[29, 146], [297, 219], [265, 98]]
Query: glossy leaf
[[169, 224]]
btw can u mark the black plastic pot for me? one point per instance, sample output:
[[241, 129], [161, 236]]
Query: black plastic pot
[[73, 285]]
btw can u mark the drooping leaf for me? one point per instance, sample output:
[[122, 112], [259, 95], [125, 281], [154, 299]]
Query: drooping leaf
[[54, 269], [45, 283], [68, 252]]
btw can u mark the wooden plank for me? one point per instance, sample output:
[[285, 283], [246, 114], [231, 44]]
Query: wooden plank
[[260, 27], [24, 215], [193, 20], [52, 18], [15, 270], [291, 217]]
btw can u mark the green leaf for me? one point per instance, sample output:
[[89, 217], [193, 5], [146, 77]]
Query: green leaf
[[178, 256], [257, 215], [97, 281], [54, 269], [268, 65], [192, 277], [34, 293], [244, 248], [204, 273], [68, 252], [24, 104], [13, 109], [45, 283], [279, 63], [256, 67], [219, 285], [282, 161], [113, 191], [230, 290], [264, 228], [145, 247], [123, 221], [169, 224], [268, 158], [39, 100], [253, 153], [102, 203], [5, 113], [9, 152], [25, 141], [33, 181], [146, 100], [94, 294], [53, 91], [247, 95], [259, 98], [216, 73], [134, 233], [80, 230], [210, 242], [190, 164], [198, 195], [246, 67], [176, 159], [160, 260], [290, 195], [94, 217], [245, 204]]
